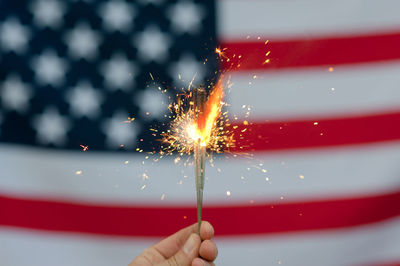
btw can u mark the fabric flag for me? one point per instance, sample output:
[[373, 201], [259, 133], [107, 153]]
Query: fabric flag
[[314, 101]]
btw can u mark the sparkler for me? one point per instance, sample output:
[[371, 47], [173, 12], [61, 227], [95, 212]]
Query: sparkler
[[199, 150], [199, 127]]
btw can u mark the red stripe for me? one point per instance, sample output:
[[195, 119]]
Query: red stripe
[[383, 264], [228, 220], [311, 52], [265, 136]]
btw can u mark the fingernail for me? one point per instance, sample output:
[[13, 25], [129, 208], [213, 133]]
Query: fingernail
[[189, 245]]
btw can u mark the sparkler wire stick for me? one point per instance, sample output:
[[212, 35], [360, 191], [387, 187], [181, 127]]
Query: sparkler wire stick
[[199, 96]]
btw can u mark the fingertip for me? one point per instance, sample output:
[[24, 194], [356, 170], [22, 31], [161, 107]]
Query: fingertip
[[206, 230], [208, 250], [200, 262]]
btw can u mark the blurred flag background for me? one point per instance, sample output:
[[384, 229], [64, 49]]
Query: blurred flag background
[[314, 103]]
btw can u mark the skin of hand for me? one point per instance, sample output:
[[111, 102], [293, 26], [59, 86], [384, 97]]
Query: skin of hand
[[184, 248]]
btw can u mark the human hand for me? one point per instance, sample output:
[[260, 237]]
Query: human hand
[[184, 248]]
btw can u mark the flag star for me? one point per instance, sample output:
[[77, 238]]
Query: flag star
[[186, 17], [82, 42], [153, 103], [48, 13], [118, 72], [84, 100], [186, 70], [15, 94], [117, 15], [51, 127], [118, 132], [14, 36], [152, 44], [49, 68]]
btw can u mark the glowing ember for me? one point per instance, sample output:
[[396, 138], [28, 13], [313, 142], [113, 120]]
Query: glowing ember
[[84, 148]]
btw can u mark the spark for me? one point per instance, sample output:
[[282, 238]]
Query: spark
[[79, 172], [143, 187], [331, 69], [228, 193], [301, 176], [221, 53], [145, 176], [266, 61], [130, 120], [84, 148]]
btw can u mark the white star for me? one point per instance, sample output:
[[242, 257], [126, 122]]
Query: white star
[[118, 73], [14, 36], [49, 68], [117, 15], [119, 132], [186, 70], [82, 42], [48, 13], [51, 127], [153, 103], [15, 94], [84, 100], [186, 17], [152, 44]]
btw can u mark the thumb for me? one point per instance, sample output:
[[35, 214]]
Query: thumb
[[187, 253]]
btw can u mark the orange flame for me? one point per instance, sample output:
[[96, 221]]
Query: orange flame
[[207, 120]]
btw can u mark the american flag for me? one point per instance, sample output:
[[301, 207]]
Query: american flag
[[315, 97]]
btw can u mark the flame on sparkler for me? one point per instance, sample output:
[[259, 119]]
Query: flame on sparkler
[[189, 126]]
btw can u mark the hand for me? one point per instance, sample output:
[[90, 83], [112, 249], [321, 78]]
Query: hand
[[184, 248]]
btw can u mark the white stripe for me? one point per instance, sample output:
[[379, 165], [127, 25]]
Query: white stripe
[[349, 171], [288, 19], [354, 246], [308, 93]]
